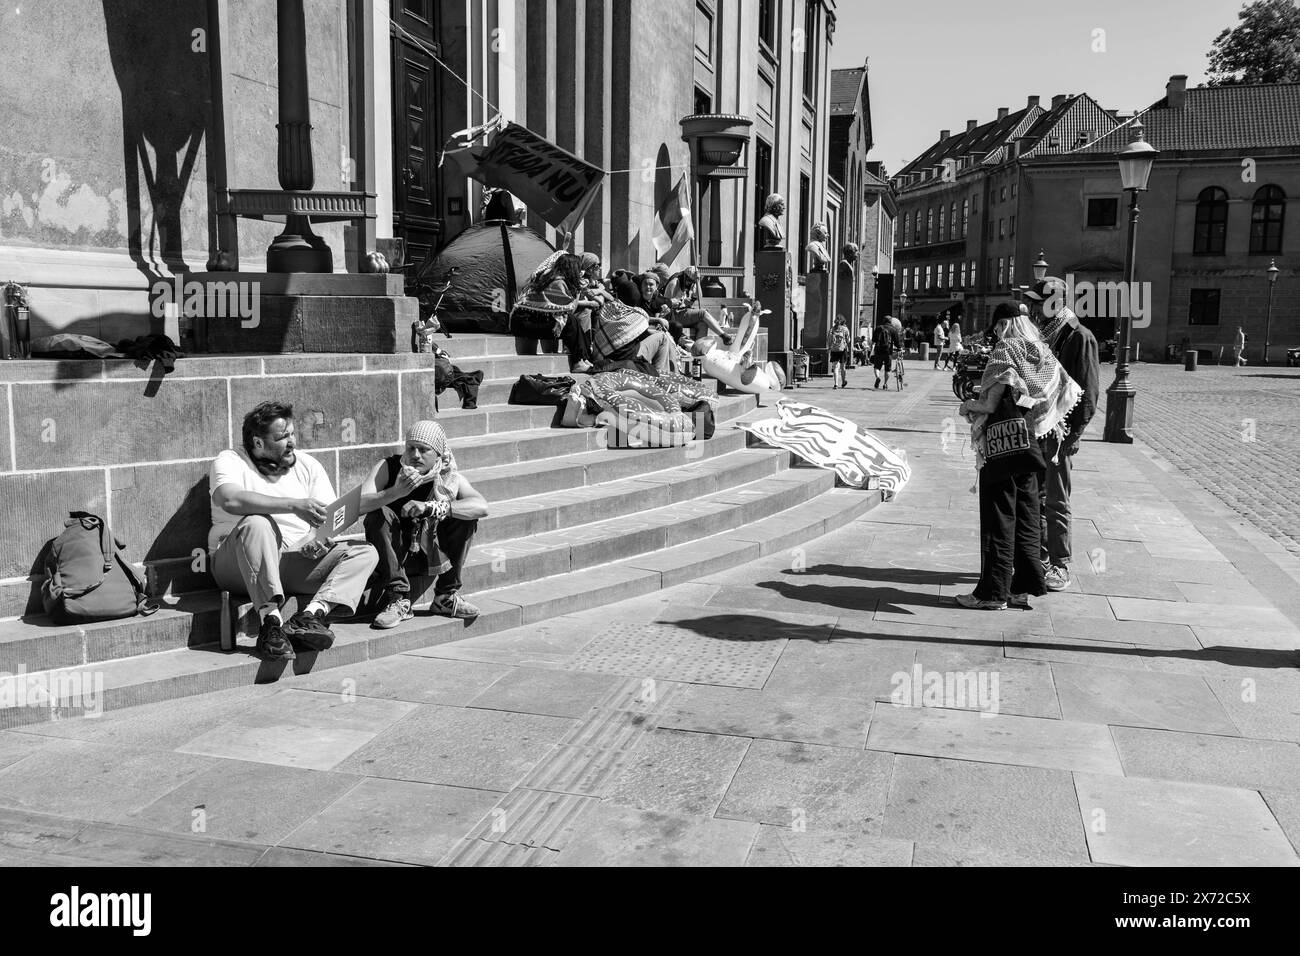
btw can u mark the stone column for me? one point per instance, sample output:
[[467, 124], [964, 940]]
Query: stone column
[[297, 249]]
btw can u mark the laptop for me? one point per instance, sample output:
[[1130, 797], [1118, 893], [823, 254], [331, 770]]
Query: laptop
[[338, 518]]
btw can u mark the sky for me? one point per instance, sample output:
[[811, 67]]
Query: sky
[[934, 64]]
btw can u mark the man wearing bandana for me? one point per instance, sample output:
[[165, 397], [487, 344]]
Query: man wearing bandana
[[1076, 349], [266, 498], [421, 515]]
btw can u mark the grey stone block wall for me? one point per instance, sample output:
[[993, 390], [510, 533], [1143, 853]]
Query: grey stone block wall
[[135, 446]]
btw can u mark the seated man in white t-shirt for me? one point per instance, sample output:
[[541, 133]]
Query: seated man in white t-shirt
[[266, 497]]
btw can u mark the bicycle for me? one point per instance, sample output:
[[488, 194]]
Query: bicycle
[[899, 373]]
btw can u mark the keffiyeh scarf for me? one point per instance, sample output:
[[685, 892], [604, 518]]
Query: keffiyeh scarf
[[1043, 390]]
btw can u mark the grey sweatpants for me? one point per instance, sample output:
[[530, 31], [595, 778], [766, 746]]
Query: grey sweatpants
[[252, 561]]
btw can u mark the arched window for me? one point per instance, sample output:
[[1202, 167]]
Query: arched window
[[929, 225], [952, 222], [1266, 220], [1211, 222]]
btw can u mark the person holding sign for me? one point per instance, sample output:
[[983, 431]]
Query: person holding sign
[[267, 500]]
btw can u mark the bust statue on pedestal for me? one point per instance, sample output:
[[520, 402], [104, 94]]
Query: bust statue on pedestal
[[770, 233]]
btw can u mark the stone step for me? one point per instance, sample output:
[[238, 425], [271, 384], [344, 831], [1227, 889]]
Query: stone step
[[581, 544], [114, 684]]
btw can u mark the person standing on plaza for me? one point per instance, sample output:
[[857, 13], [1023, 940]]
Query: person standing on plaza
[[940, 340], [1239, 348], [1024, 396], [1076, 349]]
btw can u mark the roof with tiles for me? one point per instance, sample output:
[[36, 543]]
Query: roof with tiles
[[846, 85], [981, 140], [1219, 118], [1063, 129]]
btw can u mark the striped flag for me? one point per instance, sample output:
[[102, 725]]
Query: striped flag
[[672, 226]]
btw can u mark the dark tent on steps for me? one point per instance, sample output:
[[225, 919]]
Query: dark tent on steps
[[495, 259]]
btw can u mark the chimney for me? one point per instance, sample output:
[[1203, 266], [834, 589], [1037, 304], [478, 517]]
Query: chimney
[[971, 124], [944, 134], [1033, 101], [1058, 99], [1002, 112], [1177, 92]]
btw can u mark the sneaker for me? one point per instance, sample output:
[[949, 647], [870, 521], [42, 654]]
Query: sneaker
[[272, 645], [1020, 601], [1058, 578], [310, 630], [452, 605], [582, 367], [398, 609], [976, 604]]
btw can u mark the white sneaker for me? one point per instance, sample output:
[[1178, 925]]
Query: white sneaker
[[1057, 578]]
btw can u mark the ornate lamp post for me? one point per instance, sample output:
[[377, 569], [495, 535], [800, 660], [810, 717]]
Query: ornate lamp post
[[1040, 267], [1135, 161], [1273, 271]]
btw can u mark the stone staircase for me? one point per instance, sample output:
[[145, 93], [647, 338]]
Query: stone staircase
[[573, 524]]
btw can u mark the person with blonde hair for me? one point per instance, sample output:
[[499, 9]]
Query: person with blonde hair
[[1025, 396]]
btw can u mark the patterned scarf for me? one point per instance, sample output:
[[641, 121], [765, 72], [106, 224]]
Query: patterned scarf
[[445, 477], [1053, 329], [1044, 392]]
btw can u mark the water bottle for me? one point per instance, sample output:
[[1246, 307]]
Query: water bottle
[[697, 368]]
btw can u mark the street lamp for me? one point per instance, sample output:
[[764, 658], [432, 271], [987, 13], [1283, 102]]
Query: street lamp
[[902, 304], [1135, 161], [1273, 271], [1040, 267]]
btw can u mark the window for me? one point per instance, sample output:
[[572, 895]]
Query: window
[[972, 273], [927, 278], [1211, 222], [907, 230], [952, 221], [1267, 217], [938, 275], [767, 23], [703, 101], [762, 173], [952, 275], [1002, 271], [810, 52], [929, 225], [963, 276], [916, 228], [965, 216], [939, 236], [1204, 308], [1012, 230], [805, 200], [1103, 213], [1013, 190], [1002, 196], [1002, 228], [704, 33], [1011, 270]]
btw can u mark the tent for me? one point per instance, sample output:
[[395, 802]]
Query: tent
[[494, 259]]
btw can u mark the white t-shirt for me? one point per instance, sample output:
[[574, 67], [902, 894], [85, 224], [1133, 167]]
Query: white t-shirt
[[954, 337], [306, 479]]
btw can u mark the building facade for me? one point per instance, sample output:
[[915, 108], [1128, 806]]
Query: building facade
[[95, 212]]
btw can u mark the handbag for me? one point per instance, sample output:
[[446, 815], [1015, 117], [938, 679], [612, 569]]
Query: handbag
[[541, 390], [1009, 447]]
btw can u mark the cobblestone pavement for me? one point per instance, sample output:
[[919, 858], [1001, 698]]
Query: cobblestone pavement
[[1236, 432]]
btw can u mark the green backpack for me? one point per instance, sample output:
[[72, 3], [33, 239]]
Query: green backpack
[[86, 576]]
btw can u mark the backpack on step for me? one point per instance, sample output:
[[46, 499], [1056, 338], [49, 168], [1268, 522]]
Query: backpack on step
[[86, 576]]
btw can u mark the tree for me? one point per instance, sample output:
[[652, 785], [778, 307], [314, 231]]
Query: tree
[[1263, 48]]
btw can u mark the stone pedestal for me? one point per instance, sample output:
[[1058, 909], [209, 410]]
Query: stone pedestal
[[772, 279], [298, 312], [846, 295], [817, 315]]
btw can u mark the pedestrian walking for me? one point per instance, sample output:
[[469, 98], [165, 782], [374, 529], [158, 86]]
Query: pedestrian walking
[[1076, 349], [841, 342], [940, 340], [1024, 396], [1239, 348], [882, 350]]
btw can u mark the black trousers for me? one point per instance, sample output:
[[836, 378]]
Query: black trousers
[[391, 535], [1010, 537]]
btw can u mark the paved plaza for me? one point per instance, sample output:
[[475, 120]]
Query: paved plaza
[[828, 704]]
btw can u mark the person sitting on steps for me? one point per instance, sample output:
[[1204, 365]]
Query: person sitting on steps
[[421, 515], [266, 498]]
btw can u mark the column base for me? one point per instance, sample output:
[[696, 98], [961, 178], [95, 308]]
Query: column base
[[1119, 415]]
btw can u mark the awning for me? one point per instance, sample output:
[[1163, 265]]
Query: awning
[[926, 310]]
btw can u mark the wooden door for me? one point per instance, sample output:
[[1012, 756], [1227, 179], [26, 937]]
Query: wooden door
[[417, 133]]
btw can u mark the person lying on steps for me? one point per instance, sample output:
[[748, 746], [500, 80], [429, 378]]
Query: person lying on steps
[[266, 498], [421, 515]]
